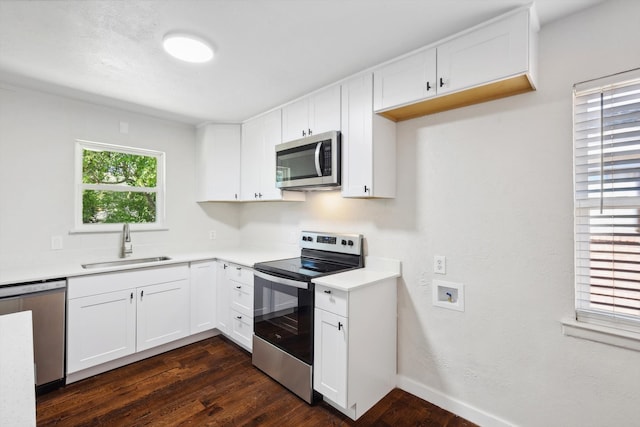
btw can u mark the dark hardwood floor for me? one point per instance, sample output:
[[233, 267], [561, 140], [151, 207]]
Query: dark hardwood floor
[[212, 383]]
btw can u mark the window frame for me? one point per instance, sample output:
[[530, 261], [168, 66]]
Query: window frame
[[159, 189], [598, 325]]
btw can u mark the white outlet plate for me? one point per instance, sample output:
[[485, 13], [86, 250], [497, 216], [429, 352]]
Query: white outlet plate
[[56, 243], [212, 235], [440, 264]]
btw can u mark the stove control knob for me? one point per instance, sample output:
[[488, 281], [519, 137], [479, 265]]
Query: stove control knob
[[304, 238], [344, 242], [350, 242]]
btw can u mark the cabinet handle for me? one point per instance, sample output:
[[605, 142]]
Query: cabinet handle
[[428, 87], [141, 295], [238, 287], [131, 297], [340, 325], [304, 133], [366, 189], [225, 266], [441, 82], [238, 268], [327, 291], [260, 195], [255, 195], [239, 317], [309, 132], [236, 196]]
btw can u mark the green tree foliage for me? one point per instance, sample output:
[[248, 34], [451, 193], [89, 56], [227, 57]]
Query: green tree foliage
[[120, 203]]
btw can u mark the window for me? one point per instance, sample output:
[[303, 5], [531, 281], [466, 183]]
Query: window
[[607, 200], [117, 185]]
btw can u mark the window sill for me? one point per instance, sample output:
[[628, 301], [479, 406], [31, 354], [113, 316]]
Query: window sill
[[601, 334], [116, 229]]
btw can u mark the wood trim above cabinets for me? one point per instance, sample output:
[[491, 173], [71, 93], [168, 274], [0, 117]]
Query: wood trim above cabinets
[[489, 92]]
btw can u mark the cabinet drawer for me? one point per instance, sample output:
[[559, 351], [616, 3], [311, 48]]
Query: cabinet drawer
[[242, 298], [242, 327], [332, 300], [239, 274]]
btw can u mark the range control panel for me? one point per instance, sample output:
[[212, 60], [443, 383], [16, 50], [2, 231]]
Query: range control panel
[[332, 242]]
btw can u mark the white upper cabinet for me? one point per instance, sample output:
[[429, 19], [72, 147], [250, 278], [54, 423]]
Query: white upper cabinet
[[218, 163], [406, 80], [491, 61], [258, 159], [368, 143], [489, 53], [311, 115]]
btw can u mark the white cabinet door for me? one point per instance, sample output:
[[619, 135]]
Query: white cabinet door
[[223, 300], [357, 138], [163, 313], [218, 163], [295, 120], [324, 110], [203, 296], [251, 159], [312, 115], [100, 328], [271, 136], [368, 143], [406, 80], [258, 171], [490, 53], [330, 356]]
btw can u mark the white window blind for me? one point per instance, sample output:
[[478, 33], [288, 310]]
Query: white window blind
[[607, 200]]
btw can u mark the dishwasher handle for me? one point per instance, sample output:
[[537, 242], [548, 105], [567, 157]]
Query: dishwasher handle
[[30, 288]]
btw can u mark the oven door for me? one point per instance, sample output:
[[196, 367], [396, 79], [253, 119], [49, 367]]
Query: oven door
[[283, 314]]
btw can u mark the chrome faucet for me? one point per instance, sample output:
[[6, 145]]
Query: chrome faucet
[[126, 248]]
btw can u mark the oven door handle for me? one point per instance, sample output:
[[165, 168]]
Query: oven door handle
[[282, 280]]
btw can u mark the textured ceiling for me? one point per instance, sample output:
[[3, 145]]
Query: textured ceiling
[[267, 51]]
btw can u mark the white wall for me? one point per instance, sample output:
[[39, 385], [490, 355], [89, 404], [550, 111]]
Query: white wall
[[490, 187], [37, 137]]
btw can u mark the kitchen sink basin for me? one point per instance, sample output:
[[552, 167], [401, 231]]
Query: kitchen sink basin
[[121, 262]]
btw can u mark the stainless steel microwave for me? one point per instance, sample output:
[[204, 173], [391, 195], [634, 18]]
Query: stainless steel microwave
[[311, 163]]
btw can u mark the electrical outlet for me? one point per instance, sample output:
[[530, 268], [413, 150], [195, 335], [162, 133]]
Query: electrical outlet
[[212, 235], [440, 264], [56, 243]]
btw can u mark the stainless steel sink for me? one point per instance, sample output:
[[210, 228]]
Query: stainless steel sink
[[124, 262]]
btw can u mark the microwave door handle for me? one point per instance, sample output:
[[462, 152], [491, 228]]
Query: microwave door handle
[[318, 168]]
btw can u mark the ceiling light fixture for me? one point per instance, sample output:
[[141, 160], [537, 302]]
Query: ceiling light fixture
[[187, 47]]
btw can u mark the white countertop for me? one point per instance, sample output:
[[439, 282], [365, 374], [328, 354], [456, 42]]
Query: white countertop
[[17, 390], [243, 256], [376, 270]]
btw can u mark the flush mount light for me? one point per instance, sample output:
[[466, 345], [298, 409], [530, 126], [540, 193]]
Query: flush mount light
[[187, 47]]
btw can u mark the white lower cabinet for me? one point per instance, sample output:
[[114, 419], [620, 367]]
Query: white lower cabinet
[[203, 296], [330, 338], [355, 345], [100, 328], [163, 313], [235, 303], [113, 315]]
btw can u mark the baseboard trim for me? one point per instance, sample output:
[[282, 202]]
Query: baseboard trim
[[449, 403]]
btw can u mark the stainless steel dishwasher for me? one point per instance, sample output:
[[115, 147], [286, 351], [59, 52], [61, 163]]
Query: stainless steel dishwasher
[[47, 302]]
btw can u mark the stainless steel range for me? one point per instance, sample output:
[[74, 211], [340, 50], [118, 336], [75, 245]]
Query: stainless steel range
[[284, 303]]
